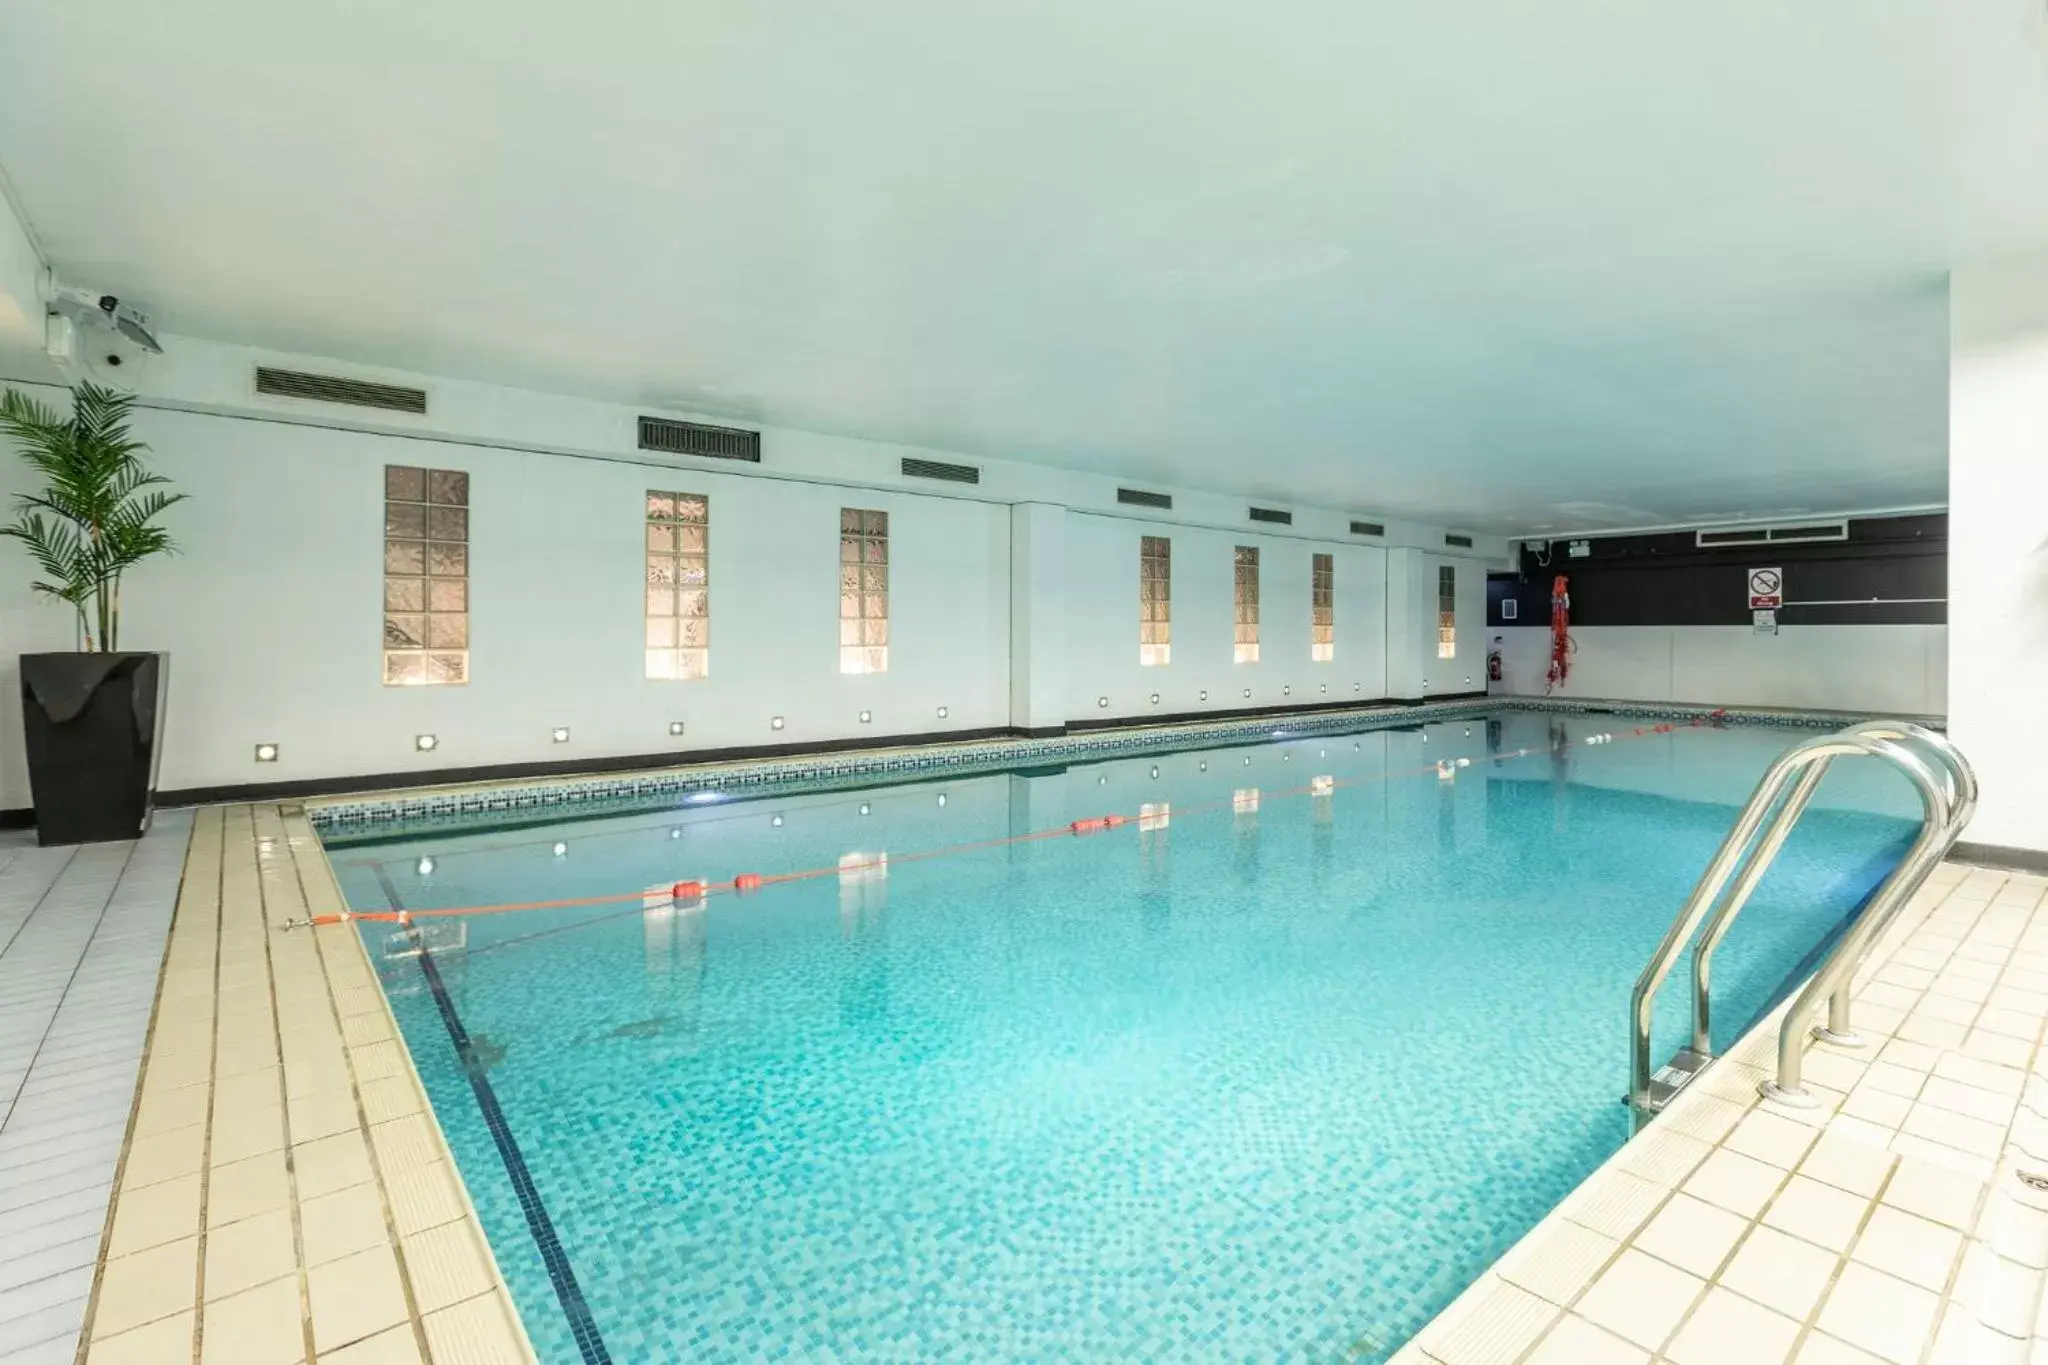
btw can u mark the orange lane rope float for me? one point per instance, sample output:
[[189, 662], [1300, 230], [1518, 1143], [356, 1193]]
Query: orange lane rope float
[[686, 892]]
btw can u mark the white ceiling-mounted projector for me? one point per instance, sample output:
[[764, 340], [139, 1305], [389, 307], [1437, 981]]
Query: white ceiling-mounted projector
[[93, 331]]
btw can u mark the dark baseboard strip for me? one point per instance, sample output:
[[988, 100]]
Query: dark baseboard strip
[[512, 772], [2002, 856], [18, 819]]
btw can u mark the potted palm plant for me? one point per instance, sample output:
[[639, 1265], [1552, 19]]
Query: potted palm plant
[[93, 716]]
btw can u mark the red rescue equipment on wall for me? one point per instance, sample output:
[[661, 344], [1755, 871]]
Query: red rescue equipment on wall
[[1561, 645]]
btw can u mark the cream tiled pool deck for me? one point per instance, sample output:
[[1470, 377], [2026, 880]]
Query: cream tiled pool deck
[[286, 1194], [1889, 1224]]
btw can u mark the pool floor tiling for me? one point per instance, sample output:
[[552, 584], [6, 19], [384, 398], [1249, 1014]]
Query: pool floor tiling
[[286, 1195]]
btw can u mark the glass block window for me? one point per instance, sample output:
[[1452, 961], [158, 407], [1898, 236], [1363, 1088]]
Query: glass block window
[[1247, 597], [678, 585], [1322, 577], [863, 591], [1155, 600], [1446, 612], [426, 576]]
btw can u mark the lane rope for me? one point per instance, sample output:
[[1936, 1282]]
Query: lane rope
[[754, 881]]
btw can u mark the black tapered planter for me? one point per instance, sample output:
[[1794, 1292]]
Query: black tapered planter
[[95, 725]]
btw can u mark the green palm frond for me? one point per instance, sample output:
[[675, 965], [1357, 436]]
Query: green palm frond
[[95, 516]]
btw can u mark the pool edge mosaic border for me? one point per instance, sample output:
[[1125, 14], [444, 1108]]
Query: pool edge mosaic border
[[616, 792]]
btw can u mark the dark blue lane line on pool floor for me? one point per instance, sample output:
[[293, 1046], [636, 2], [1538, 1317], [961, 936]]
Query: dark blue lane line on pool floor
[[574, 1306]]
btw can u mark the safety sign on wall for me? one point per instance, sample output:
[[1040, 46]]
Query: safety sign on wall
[[1766, 589]]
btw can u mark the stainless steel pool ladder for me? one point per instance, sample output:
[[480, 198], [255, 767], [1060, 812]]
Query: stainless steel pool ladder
[[1948, 796]]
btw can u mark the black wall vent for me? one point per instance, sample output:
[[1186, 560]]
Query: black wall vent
[[939, 469], [1368, 528], [1459, 542], [671, 437], [1272, 514], [1138, 497], [327, 388]]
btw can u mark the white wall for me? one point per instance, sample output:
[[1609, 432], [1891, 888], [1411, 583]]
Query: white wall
[[1102, 622], [1892, 668], [272, 613], [21, 311], [1998, 543]]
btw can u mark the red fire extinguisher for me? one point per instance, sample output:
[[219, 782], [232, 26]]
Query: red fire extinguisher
[[1493, 665]]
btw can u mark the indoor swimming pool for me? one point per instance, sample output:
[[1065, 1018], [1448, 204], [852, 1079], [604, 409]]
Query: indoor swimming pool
[[1272, 1069]]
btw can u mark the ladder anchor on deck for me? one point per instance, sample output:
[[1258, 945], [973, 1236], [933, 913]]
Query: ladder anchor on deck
[[1948, 796]]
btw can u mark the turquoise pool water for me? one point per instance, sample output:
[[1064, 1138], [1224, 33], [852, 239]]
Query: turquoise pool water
[[1270, 1077]]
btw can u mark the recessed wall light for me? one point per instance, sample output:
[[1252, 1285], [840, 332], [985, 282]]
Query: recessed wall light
[[266, 753], [561, 734], [424, 742], [675, 727], [863, 808], [676, 833], [1287, 758], [1287, 691], [1326, 687], [866, 716], [1247, 760], [1357, 687], [942, 713], [1155, 699], [1205, 765], [561, 850], [942, 798], [1155, 772], [777, 822], [1247, 694], [1205, 695], [775, 723], [1102, 781], [1102, 701], [425, 867]]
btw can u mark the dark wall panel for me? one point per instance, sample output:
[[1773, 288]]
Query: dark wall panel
[[1891, 570]]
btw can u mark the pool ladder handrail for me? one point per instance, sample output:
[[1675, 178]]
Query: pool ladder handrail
[[1948, 792]]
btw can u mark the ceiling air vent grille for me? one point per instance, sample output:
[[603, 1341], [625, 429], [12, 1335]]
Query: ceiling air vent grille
[[1771, 535], [939, 469], [1458, 542], [1138, 497], [671, 437], [327, 388], [1272, 514], [1368, 528]]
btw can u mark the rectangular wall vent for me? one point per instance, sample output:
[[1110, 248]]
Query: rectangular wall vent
[[327, 388], [1368, 528], [1459, 542], [1138, 497], [1272, 514], [939, 469], [1771, 535], [671, 437]]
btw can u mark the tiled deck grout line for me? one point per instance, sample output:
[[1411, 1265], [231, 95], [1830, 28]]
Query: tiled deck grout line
[[57, 1006], [219, 932], [192, 842], [291, 1171], [414, 1316], [1991, 929]]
